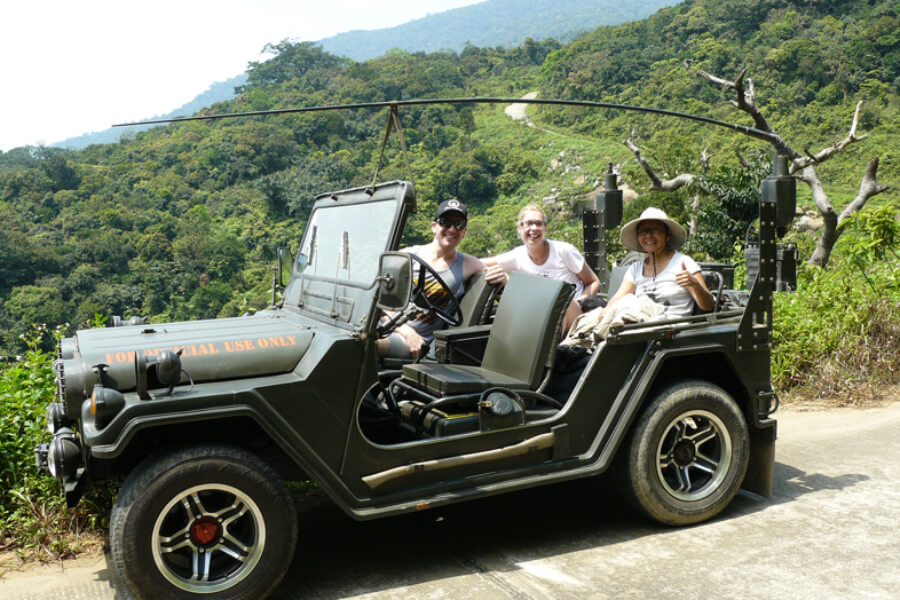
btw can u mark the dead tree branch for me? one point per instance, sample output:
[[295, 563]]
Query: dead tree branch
[[745, 101], [826, 153], [694, 226], [834, 223], [663, 185], [803, 164]]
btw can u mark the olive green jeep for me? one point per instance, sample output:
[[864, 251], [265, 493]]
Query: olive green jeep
[[205, 421]]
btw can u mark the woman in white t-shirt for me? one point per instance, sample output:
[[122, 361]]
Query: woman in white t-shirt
[[666, 276], [547, 258]]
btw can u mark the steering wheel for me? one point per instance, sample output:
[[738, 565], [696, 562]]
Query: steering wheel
[[454, 316]]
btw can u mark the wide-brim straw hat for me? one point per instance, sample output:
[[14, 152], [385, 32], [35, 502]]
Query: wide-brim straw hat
[[629, 238]]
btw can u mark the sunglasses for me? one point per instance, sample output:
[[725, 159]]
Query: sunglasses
[[651, 231], [447, 223]]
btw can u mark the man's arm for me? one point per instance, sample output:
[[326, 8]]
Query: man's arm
[[493, 272], [472, 265]]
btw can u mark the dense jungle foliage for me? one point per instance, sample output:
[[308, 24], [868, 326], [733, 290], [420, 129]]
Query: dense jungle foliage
[[182, 222]]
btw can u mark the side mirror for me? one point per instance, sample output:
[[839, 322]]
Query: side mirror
[[285, 266], [395, 276]]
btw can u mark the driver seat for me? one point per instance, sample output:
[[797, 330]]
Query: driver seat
[[477, 303], [521, 346]]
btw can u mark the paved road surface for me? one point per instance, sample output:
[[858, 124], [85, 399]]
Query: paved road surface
[[831, 531]]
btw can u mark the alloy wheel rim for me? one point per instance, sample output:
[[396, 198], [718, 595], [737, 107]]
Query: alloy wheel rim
[[208, 538], [693, 456]]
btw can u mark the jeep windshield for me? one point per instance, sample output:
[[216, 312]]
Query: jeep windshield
[[338, 258], [344, 242]]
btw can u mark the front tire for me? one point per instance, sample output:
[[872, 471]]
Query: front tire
[[686, 457], [204, 522]]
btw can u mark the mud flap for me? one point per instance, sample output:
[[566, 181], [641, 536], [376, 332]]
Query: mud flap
[[761, 469]]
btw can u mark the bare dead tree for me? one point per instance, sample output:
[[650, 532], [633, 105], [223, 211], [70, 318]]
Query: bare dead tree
[[801, 164], [657, 183]]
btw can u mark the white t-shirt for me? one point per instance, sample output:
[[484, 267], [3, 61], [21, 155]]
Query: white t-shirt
[[564, 262], [663, 289]]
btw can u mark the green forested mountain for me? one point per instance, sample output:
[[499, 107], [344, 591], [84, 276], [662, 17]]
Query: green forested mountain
[[811, 61], [182, 221], [492, 23], [219, 91]]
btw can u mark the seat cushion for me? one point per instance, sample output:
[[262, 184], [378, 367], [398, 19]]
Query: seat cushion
[[449, 380]]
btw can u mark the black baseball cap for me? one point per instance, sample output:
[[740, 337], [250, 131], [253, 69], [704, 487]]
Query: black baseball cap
[[451, 205]]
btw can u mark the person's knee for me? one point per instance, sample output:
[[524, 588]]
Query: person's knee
[[393, 346]]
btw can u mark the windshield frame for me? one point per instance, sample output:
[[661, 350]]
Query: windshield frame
[[341, 299]]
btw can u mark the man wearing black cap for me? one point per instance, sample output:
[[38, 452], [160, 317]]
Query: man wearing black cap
[[454, 267]]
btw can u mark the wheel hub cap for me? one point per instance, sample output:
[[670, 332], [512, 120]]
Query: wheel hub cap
[[684, 453], [205, 531]]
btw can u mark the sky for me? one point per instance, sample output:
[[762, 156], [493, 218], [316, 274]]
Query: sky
[[73, 67]]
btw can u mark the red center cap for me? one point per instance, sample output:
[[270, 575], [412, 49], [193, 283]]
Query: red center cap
[[205, 530]]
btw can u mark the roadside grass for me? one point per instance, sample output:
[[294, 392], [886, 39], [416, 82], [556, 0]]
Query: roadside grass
[[34, 522], [838, 337]]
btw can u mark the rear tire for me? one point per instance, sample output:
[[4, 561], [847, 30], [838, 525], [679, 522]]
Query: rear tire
[[212, 522], [687, 454]]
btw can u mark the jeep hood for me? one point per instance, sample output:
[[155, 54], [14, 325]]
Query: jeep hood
[[264, 344]]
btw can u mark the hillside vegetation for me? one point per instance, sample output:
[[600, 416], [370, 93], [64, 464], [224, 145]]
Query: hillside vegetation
[[182, 222], [811, 62], [491, 24]]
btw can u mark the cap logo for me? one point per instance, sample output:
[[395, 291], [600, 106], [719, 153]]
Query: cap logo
[[453, 203]]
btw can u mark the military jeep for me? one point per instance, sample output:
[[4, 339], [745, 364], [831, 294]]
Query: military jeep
[[205, 421]]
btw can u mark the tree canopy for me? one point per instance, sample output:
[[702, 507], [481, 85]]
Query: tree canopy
[[182, 221]]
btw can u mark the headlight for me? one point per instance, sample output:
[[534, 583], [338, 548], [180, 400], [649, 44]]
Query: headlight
[[64, 457], [56, 417]]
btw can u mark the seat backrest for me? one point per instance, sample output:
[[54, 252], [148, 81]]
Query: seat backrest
[[526, 328], [615, 280], [476, 304]]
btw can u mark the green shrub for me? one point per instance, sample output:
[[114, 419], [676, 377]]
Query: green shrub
[[838, 335], [33, 515]]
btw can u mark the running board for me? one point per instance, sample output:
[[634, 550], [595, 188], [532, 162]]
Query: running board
[[534, 444]]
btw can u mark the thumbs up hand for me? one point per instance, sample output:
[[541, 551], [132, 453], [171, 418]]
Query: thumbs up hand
[[683, 278]]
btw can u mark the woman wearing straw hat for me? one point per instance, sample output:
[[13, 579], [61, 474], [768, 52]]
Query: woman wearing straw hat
[[666, 276]]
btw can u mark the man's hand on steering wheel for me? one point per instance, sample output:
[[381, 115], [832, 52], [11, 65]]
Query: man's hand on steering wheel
[[452, 317]]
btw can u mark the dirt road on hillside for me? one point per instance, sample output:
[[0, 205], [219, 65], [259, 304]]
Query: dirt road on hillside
[[831, 531], [519, 111]]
